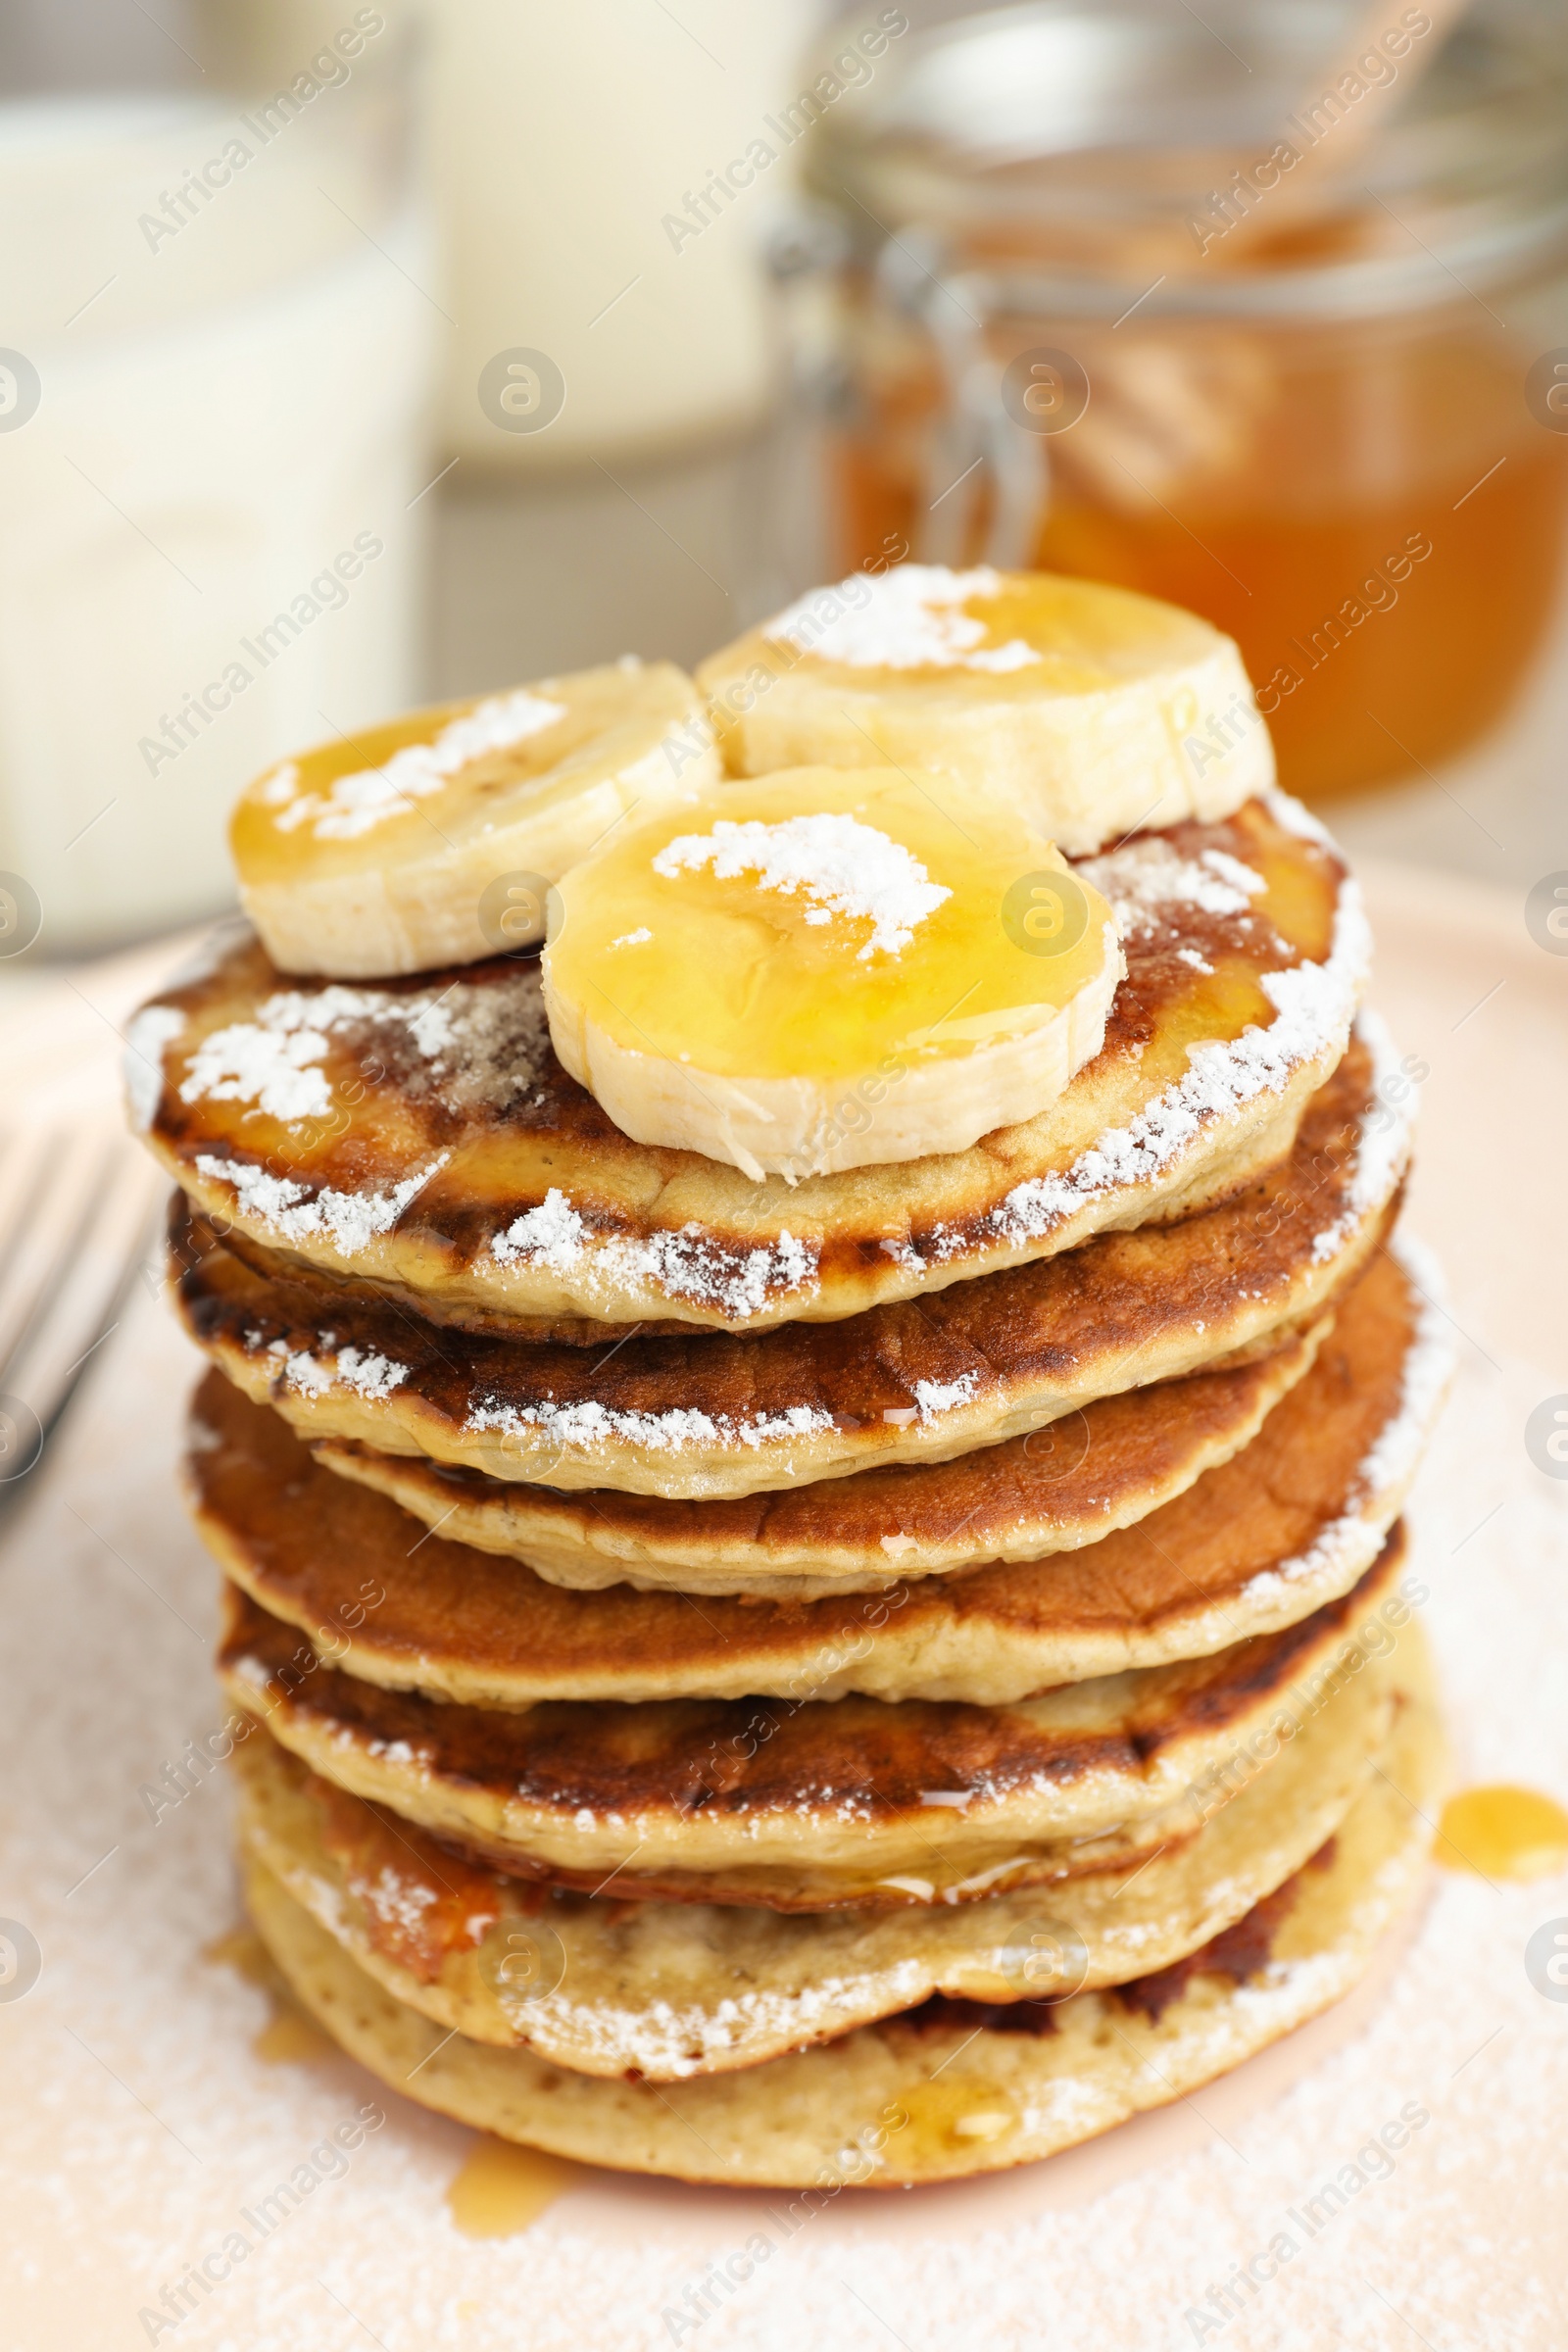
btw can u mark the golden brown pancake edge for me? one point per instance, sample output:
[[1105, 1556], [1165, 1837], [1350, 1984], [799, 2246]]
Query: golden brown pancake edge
[[802, 1805], [716, 1414], [1267, 1536], [409, 1173]]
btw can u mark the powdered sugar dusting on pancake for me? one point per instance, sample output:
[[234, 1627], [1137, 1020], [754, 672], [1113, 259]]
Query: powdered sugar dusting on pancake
[[1394, 1455], [352, 1219], [472, 1047], [1148, 873], [366, 1372], [588, 1427], [689, 1263], [1384, 1142], [551, 1235], [1314, 1008], [154, 1028], [478, 1048]]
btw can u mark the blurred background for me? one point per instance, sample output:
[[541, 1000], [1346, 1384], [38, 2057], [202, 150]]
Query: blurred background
[[355, 357]]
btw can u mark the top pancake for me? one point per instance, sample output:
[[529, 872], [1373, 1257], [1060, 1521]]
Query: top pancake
[[421, 1136]]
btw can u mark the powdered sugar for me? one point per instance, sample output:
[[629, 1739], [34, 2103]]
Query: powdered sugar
[[353, 805], [1383, 1148], [688, 1263], [393, 1897], [911, 617], [432, 1027], [350, 1220], [589, 1427], [272, 1061], [493, 1047], [1386, 1470], [268, 1062], [369, 1374], [839, 865], [935, 1397], [153, 1028], [673, 2042], [1148, 873], [476, 1045], [550, 1235], [278, 790], [365, 1372], [1314, 1008]]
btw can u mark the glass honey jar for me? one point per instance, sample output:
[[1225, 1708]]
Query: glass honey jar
[[1083, 320]]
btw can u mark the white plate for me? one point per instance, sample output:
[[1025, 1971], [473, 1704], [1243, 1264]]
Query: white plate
[[140, 2128]]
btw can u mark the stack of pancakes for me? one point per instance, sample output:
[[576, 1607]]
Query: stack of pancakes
[[863, 1681]]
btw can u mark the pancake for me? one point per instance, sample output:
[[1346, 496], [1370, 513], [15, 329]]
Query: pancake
[[420, 1134], [1289, 1524], [1064, 1486], [672, 1989], [712, 1414], [948, 2088], [1071, 1487], [805, 1804]]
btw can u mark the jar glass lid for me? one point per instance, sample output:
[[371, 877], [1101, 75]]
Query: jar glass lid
[[1069, 143]]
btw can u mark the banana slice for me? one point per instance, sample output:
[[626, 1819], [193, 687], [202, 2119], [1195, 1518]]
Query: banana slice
[[434, 839], [1091, 711], [818, 971]]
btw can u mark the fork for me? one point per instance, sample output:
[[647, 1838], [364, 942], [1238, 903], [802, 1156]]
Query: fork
[[75, 1208]]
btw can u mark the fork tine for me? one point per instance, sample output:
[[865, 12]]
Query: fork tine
[[82, 1303], [53, 1218], [23, 1170]]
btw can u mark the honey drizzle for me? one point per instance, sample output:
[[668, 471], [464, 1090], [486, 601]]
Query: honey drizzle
[[501, 2189], [1503, 1832], [289, 2037]]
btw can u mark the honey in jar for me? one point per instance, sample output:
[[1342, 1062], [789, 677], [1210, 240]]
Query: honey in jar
[[1340, 443]]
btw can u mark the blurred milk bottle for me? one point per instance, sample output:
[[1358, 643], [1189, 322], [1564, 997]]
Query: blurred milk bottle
[[566, 143], [606, 178], [219, 342]]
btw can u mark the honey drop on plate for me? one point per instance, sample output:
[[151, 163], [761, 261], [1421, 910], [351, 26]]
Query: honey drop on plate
[[242, 1950], [289, 2038], [502, 2190], [1501, 1832]]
